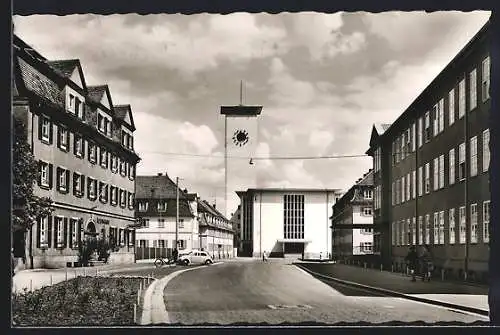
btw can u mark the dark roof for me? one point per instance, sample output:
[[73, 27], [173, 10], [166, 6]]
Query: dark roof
[[241, 110], [64, 67], [367, 179], [353, 195], [184, 209], [96, 92], [163, 187], [121, 112]]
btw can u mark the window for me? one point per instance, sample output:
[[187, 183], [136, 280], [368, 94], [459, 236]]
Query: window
[[461, 161], [161, 223], [413, 231], [103, 192], [74, 233], [435, 179], [393, 153], [368, 194], [436, 228], [427, 131], [420, 129], [92, 185], [420, 181], [414, 183], [473, 223], [44, 129], [427, 229], [181, 223], [441, 228], [143, 206], [114, 197], [366, 247], [130, 200], [420, 231], [408, 189], [78, 181], [413, 137], [486, 221], [293, 216], [486, 150], [161, 243], [367, 211], [473, 156], [62, 138], [408, 232], [62, 179], [366, 231], [473, 89], [145, 223], [393, 194], [451, 107], [403, 232], [114, 163], [101, 123], [461, 99], [43, 227], [393, 233], [122, 198], [59, 231], [131, 172], [451, 225], [441, 171], [103, 157], [92, 152], [451, 159], [461, 219], [78, 145], [403, 191], [408, 141], [44, 174], [122, 168], [403, 146], [162, 206], [435, 115], [485, 79], [427, 182]]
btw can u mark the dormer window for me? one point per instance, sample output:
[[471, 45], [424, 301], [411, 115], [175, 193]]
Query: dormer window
[[126, 139], [162, 206], [104, 123], [368, 194], [74, 104], [143, 206]]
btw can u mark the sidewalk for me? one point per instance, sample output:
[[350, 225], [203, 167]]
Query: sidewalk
[[461, 294], [33, 279]]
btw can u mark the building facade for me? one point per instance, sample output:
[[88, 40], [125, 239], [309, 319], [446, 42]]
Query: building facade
[[156, 210], [433, 172], [352, 221], [216, 231], [285, 222], [83, 144], [236, 224]]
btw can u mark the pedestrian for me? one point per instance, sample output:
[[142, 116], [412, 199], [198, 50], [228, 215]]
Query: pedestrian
[[412, 261], [428, 265], [264, 256], [175, 254]]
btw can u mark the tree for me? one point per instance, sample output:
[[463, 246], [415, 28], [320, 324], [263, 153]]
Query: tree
[[28, 208]]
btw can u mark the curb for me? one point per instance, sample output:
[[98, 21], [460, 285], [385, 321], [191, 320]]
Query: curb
[[154, 310], [399, 294]]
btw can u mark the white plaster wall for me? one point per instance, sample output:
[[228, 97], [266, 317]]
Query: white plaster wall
[[153, 232], [358, 234], [268, 216]]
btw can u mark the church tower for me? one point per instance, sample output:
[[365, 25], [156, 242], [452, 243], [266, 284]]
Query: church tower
[[241, 130]]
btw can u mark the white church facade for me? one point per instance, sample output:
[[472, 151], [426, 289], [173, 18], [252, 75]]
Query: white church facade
[[286, 222]]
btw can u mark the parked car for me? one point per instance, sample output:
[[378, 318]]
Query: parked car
[[195, 257]]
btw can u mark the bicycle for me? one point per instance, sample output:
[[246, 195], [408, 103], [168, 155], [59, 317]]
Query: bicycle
[[160, 261]]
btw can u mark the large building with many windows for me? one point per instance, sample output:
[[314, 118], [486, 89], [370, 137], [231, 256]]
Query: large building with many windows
[[431, 169], [83, 144], [352, 221], [287, 222]]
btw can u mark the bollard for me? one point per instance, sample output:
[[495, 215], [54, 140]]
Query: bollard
[[66, 274], [392, 267], [51, 282], [381, 268], [31, 285], [442, 274], [135, 313]]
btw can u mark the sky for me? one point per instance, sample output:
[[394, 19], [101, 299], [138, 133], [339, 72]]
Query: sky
[[323, 80]]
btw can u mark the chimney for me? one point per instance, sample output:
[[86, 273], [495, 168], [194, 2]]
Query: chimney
[[214, 205], [160, 174]]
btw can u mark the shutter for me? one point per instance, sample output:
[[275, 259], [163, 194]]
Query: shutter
[[67, 181], [79, 232], [51, 168], [51, 133], [40, 123], [74, 143], [49, 231], [74, 183], [68, 138], [58, 136], [39, 169], [58, 180], [37, 232], [65, 233], [133, 237], [88, 187], [70, 235], [83, 148], [83, 184]]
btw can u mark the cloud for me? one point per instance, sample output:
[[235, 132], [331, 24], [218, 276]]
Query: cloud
[[321, 139]]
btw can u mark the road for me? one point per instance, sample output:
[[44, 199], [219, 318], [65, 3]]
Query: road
[[274, 293]]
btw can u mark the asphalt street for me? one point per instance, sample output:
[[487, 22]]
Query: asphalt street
[[275, 293]]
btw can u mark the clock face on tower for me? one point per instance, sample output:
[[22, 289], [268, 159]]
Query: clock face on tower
[[240, 137]]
